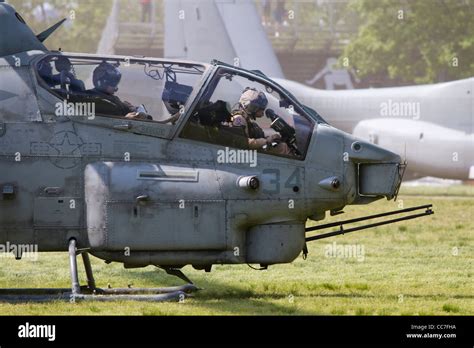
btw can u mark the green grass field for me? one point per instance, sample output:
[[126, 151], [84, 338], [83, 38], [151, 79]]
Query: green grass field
[[418, 267]]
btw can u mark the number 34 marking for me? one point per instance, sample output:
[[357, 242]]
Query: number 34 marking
[[273, 186]]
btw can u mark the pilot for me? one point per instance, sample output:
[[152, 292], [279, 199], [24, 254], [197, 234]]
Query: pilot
[[46, 72], [66, 76], [251, 106], [106, 78]]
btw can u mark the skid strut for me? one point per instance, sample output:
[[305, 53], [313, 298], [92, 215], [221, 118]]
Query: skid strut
[[340, 224], [91, 293]]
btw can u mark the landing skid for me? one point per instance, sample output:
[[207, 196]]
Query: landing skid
[[90, 292]]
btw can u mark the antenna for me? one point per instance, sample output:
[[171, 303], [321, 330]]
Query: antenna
[[45, 34]]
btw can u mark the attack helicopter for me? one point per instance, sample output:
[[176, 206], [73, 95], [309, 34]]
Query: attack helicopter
[[136, 160]]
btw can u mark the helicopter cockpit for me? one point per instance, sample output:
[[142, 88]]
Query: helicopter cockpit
[[157, 91], [134, 89], [213, 119]]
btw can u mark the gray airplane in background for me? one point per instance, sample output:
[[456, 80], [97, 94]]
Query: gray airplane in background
[[431, 126]]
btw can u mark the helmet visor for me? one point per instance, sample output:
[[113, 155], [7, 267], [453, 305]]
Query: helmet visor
[[113, 79]]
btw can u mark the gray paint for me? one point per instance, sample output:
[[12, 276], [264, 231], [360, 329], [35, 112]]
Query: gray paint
[[72, 181], [436, 138], [22, 38], [432, 128]]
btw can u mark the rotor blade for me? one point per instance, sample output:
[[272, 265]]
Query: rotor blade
[[45, 34]]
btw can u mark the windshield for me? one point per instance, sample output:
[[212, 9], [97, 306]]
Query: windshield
[[239, 111], [134, 89]]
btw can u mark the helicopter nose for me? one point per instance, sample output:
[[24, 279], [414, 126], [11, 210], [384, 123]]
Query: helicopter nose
[[363, 151], [379, 172], [346, 170]]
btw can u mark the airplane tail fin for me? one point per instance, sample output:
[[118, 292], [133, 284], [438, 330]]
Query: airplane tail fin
[[229, 31]]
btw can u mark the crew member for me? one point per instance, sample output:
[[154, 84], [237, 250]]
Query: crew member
[[106, 78], [251, 106]]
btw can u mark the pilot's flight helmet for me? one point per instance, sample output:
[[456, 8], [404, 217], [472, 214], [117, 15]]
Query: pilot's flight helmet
[[106, 75], [44, 68], [62, 63], [252, 100]]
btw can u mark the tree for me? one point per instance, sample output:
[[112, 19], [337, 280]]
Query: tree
[[419, 41]]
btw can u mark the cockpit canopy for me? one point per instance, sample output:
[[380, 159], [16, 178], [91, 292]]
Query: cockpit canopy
[[118, 86], [219, 117], [160, 91]]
